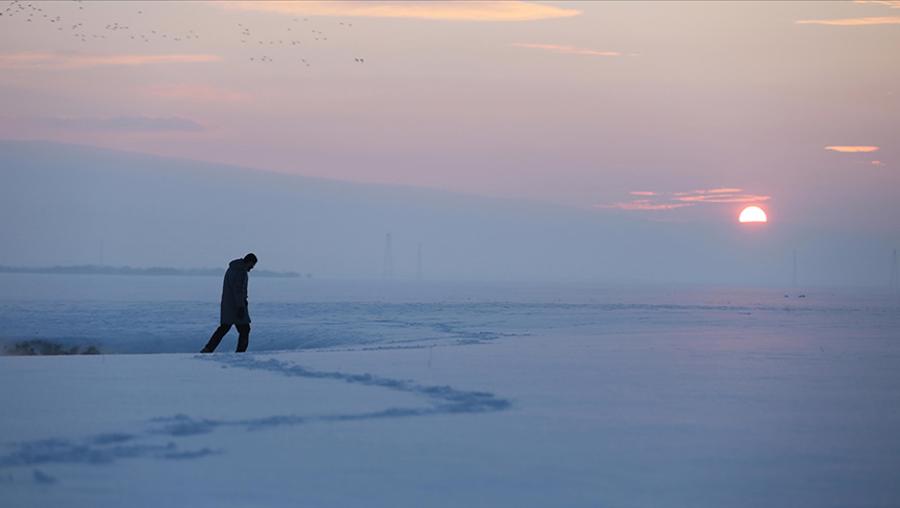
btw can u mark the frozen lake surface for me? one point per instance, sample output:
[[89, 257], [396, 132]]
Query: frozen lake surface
[[144, 314], [403, 394]]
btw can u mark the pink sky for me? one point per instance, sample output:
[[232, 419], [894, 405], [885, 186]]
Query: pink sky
[[792, 106]]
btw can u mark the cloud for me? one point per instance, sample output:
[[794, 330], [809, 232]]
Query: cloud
[[893, 4], [64, 60], [644, 205], [117, 123], [194, 92], [512, 10], [866, 21], [568, 50], [877, 163], [719, 190], [880, 20], [723, 198], [656, 201], [852, 149]]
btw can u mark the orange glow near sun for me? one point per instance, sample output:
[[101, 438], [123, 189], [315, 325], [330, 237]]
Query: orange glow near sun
[[753, 214]]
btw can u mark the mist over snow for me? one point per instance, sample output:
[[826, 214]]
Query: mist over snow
[[68, 204]]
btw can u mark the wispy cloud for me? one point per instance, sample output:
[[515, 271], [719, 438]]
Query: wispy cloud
[[852, 148], [893, 4], [116, 123], [657, 201], [876, 20], [63, 60], [568, 50], [701, 192], [724, 198], [644, 205], [512, 10], [860, 21], [194, 93]]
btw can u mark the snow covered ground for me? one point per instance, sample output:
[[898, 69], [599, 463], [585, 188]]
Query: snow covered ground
[[575, 398]]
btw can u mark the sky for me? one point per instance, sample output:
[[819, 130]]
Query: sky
[[666, 112]]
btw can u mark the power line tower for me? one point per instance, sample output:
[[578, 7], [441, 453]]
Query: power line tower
[[388, 269], [895, 274], [794, 274], [419, 262]]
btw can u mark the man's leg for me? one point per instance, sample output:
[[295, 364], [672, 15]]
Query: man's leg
[[243, 337], [215, 339]]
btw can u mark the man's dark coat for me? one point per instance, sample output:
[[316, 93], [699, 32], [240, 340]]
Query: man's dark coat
[[234, 294]]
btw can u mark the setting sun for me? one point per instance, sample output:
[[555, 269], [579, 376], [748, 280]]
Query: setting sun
[[753, 214]]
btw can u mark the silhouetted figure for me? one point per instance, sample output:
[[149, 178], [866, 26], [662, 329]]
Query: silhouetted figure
[[234, 304]]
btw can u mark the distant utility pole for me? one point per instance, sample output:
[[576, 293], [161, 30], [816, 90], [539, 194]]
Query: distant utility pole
[[419, 262], [794, 274], [895, 273], [388, 270]]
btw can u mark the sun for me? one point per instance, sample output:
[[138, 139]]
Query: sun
[[753, 214]]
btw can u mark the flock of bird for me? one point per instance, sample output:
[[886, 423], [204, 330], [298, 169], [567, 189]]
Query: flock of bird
[[39, 13]]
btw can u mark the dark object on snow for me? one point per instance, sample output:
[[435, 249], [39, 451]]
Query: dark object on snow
[[43, 478], [40, 347], [234, 307]]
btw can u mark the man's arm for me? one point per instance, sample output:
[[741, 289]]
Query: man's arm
[[242, 289]]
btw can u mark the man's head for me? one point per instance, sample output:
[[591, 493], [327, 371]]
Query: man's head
[[250, 261]]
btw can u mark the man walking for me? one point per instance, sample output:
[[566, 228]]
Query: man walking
[[234, 304]]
